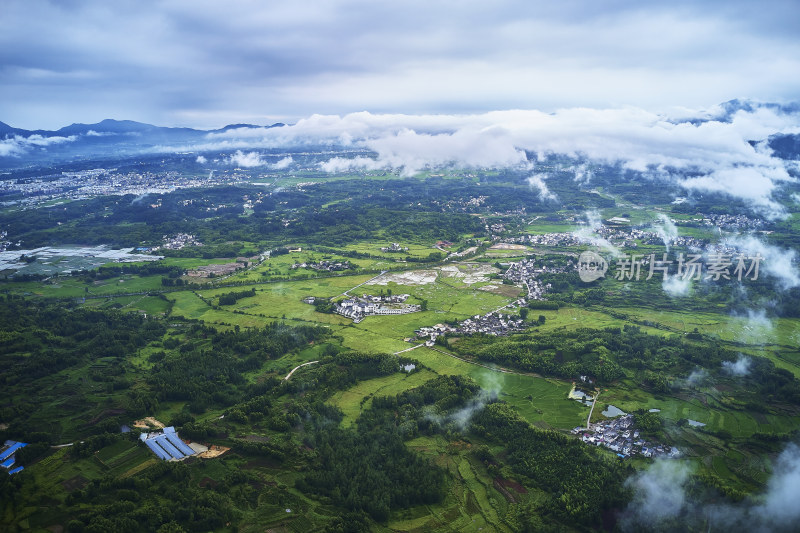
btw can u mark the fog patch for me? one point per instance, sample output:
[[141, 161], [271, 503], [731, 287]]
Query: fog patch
[[659, 494], [667, 231], [661, 501], [587, 234], [282, 163], [778, 262], [739, 368], [753, 327], [537, 181], [245, 160], [676, 286]]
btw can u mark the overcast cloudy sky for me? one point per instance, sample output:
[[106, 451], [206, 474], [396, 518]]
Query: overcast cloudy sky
[[205, 64]]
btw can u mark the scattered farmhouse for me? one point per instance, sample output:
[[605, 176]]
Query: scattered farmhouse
[[394, 248]]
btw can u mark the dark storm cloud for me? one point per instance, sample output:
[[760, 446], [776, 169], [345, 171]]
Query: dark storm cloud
[[206, 63]]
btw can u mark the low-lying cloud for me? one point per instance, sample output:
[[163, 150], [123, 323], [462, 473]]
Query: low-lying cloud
[[659, 494], [537, 181], [283, 163], [666, 230], [661, 501], [778, 262], [246, 160], [676, 286], [17, 145], [588, 234], [738, 368], [698, 151]]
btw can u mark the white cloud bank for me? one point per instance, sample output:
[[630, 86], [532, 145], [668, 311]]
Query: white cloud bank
[[699, 155], [661, 503], [245, 160], [779, 262], [17, 145], [241, 159]]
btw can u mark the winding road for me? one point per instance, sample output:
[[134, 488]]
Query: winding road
[[298, 366]]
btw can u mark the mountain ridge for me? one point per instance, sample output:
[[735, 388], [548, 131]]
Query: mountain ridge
[[112, 126]]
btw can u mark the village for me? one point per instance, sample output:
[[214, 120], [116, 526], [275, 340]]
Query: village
[[620, 435], [621, 237], [524, 272], [178, 242], [494, 323], [326, 266], [369, 305]]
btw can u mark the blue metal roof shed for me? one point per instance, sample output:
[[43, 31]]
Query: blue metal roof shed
[[170, 449], [178, 443], [151, 443], [10, 451]]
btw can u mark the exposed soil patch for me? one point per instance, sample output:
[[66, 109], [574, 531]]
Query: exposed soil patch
[[507, 494], [509, 291], [105, 414], [74, 483], [255, 438], [519, 489], [213, 451], [414, 277], [148, 422], [208, 482], [260, 463]]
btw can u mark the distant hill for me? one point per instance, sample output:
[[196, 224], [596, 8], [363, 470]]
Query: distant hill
[[110, 127]]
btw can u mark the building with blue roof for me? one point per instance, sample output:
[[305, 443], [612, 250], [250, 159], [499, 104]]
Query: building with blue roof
[[178, 443], [18, 469], [12, 448], [167, 445], [156, 449]]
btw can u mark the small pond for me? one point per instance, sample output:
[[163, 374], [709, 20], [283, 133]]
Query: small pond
[[613, 411]]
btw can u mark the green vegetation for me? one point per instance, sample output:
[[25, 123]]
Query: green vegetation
[[379, 433]]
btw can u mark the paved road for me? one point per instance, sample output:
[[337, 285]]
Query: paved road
[[409, 349], [298, 366], [360, 284], [592, 409], [496, 369]]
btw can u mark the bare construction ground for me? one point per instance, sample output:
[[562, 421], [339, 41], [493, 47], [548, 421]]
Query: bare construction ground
[[147, 423]]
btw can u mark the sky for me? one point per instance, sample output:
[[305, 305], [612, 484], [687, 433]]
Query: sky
[[205, 64]]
